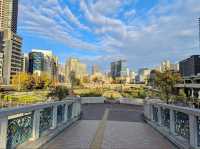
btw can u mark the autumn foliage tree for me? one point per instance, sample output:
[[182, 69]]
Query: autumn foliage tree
[[25, 81], [166, 81]]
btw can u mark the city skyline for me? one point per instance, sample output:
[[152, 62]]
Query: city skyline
[[131, 30]]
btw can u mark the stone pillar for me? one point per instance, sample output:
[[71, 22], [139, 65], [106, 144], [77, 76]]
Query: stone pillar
[[3, 131], [151, 112], [193, 131], [192, 92], [66, 113], [199, 94], [54, 122], [172, 122], [36, 125], [74, 110], [159, 116]]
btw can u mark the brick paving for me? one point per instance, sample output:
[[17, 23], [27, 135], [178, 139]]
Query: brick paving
[[123, 128]]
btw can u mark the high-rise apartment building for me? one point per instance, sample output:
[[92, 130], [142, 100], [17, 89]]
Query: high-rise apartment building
[[10, 42], [12, 57], [8, 15]]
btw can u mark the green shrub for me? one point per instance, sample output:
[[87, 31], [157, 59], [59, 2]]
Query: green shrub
[[142, 94], [59, 92], [112, 95]]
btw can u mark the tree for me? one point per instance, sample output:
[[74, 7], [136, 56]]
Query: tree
[[166, 81], [22, 81], [86, 79], [73, 80]]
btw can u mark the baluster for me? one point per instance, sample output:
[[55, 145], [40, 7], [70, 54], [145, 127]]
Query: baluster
[[76, 109], [73, 110], [172, 122], [193, 131], [36, 125], [66, 113], [151, 115], [3, 131], [54, 122], [159, 116]]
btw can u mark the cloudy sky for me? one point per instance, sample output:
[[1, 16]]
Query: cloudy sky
[[144, 32]]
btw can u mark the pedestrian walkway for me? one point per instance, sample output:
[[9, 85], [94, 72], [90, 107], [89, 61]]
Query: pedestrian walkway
[[110, 126]]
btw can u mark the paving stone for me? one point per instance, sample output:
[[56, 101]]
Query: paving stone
[[133, 135], [124, 129], [78, 136]]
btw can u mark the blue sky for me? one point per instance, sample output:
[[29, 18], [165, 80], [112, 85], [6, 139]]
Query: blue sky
[[144, 32]]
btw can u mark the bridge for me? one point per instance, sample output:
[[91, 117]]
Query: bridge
[[60, 125]]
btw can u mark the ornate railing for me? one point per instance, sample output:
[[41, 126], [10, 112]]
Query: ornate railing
[[19, 125], [183, 123], [165, 117]]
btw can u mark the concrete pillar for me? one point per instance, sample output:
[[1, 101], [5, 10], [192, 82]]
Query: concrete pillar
[[54, 122], [193, 131], [192, 92], [66, 113], [159, 116], [199, 94], [151, 112], [172, 122], [36, 125], [3, 131], [73, 110]]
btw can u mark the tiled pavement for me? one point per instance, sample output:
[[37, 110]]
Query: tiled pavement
[[124, 129]]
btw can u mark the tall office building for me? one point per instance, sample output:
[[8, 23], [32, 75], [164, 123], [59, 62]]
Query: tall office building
[[43, 61], [36, 62], [190, 66], [143, 75], [119, 69], [8, 15], [11, 43], [74, 65]]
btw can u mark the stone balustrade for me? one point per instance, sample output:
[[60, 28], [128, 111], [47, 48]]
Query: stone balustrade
[[181, 125], [32, 122]]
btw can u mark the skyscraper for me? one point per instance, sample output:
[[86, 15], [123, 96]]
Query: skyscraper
[[10, 42], [8, 15], [75, 66], [43, 61], [36, 61], [119, 69]]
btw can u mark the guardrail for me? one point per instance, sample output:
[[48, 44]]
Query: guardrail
[[22, 124], [179, 124]]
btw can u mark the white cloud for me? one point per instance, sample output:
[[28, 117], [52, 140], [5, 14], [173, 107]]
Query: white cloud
[[166, 31]]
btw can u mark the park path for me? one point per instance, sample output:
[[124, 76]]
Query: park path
[[110, 126]]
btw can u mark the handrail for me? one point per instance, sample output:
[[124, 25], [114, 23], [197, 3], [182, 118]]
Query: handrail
[[178, 122], [31, 121], [28, 108]]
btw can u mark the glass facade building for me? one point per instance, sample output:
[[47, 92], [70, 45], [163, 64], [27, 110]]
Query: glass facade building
[[36, 61], [190, 66]]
